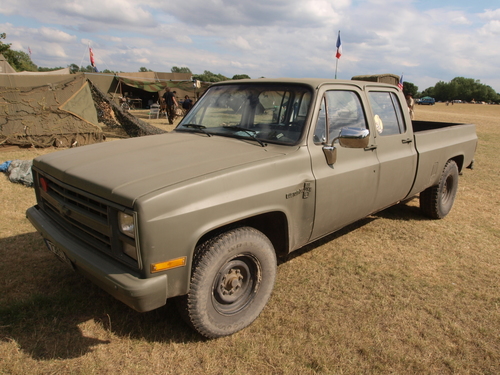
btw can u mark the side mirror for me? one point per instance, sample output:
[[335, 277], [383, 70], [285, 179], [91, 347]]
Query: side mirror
[[353, 137], [349, 138]]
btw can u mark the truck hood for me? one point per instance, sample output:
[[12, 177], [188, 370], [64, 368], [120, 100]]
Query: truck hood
[[122, 171]]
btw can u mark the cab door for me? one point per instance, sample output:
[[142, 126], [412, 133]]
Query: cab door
[[345, 190], [395, 148]]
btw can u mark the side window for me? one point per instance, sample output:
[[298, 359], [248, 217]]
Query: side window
[[387, 113], [320, 130], [338, 109]]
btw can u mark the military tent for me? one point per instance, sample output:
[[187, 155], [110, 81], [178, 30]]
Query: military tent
[[62, 110], [146, 88], [47, 110], [5, 66]]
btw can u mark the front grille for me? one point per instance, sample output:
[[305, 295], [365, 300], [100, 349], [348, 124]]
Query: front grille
[[89, 219], [79, 214]]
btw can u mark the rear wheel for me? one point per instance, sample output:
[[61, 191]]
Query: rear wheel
[[232, 279], [437, 201]]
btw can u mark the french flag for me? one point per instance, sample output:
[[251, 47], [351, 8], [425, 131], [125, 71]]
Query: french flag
[[92, 62], [339, 47]]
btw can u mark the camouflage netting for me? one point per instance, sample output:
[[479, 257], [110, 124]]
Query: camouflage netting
[[112, 116], [59, 114], [62, 111]]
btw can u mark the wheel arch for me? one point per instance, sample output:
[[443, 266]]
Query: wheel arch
[[274, 225], [459, 160]]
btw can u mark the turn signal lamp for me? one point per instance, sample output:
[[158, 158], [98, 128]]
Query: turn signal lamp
[[169, 264]]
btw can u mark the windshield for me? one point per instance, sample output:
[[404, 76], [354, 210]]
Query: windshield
[[266, 113]]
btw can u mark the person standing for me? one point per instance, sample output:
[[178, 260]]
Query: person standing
[[411, 105], [187, 104], [171, 104]]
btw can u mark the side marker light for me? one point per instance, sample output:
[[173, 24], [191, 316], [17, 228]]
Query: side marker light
[[169, 264]]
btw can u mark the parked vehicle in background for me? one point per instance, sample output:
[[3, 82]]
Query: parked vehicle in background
[[255, 170], [427, 100]]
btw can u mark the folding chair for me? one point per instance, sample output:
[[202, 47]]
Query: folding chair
[[154, 110]]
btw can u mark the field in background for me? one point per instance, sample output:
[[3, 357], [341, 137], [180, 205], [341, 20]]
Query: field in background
[[393, 293]]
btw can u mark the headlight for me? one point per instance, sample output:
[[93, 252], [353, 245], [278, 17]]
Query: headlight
[[126, 224]]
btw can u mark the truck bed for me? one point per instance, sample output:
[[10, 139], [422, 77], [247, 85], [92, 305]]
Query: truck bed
[[419, 126], [436, 143]]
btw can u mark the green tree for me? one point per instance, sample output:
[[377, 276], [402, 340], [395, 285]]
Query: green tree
[[73, 68], [182, 69], [44, 69], [429, 91], [143, 69], [20, 61], [241, 76], [441, 91], [410, 88], [460, 88], [208, 76], [87, 69], [3, 46]]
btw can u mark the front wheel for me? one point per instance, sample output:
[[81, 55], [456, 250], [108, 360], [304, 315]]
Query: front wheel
[[437, 201], [232, 279]]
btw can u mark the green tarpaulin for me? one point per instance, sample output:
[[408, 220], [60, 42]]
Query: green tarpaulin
[[157, 86], [144, 85], [47, 110]]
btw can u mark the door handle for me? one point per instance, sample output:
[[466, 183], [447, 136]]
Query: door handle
[[371, 148], [407, 140]]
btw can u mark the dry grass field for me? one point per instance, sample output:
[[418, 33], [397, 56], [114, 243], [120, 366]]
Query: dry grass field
[[394, 293]]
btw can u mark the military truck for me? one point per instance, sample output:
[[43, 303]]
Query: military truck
[[256, 170]]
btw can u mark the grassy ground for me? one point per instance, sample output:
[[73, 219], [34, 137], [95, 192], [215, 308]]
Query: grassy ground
[[393, 293]]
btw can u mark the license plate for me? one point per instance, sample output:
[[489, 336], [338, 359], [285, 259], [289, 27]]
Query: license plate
[[59, 253]]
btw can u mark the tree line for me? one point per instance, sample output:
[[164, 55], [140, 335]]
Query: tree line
[[21, 61], [459, 88]]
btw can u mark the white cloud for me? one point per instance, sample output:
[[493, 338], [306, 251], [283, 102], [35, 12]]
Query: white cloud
[[491, 14], [51, 34], [492, 28], [183, 39], [262, 37], [88, 15], [460, 20], [239, 42]]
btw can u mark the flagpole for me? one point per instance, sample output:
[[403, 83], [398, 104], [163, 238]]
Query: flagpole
[[338, 53]]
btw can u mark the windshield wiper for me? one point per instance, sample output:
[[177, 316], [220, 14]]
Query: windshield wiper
[[250, 132], [199, 128]]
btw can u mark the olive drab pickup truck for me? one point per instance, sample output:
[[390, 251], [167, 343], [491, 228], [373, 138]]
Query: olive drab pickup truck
[[255, 170]]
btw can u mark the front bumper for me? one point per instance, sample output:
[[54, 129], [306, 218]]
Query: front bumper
[[140, 294]]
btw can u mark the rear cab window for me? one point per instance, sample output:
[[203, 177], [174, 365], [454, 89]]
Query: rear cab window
[[387, 113]]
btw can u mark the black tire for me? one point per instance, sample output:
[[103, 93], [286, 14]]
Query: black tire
[[437, 201], [232, 279]]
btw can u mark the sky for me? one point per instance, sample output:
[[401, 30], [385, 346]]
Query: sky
[[426, 41]]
